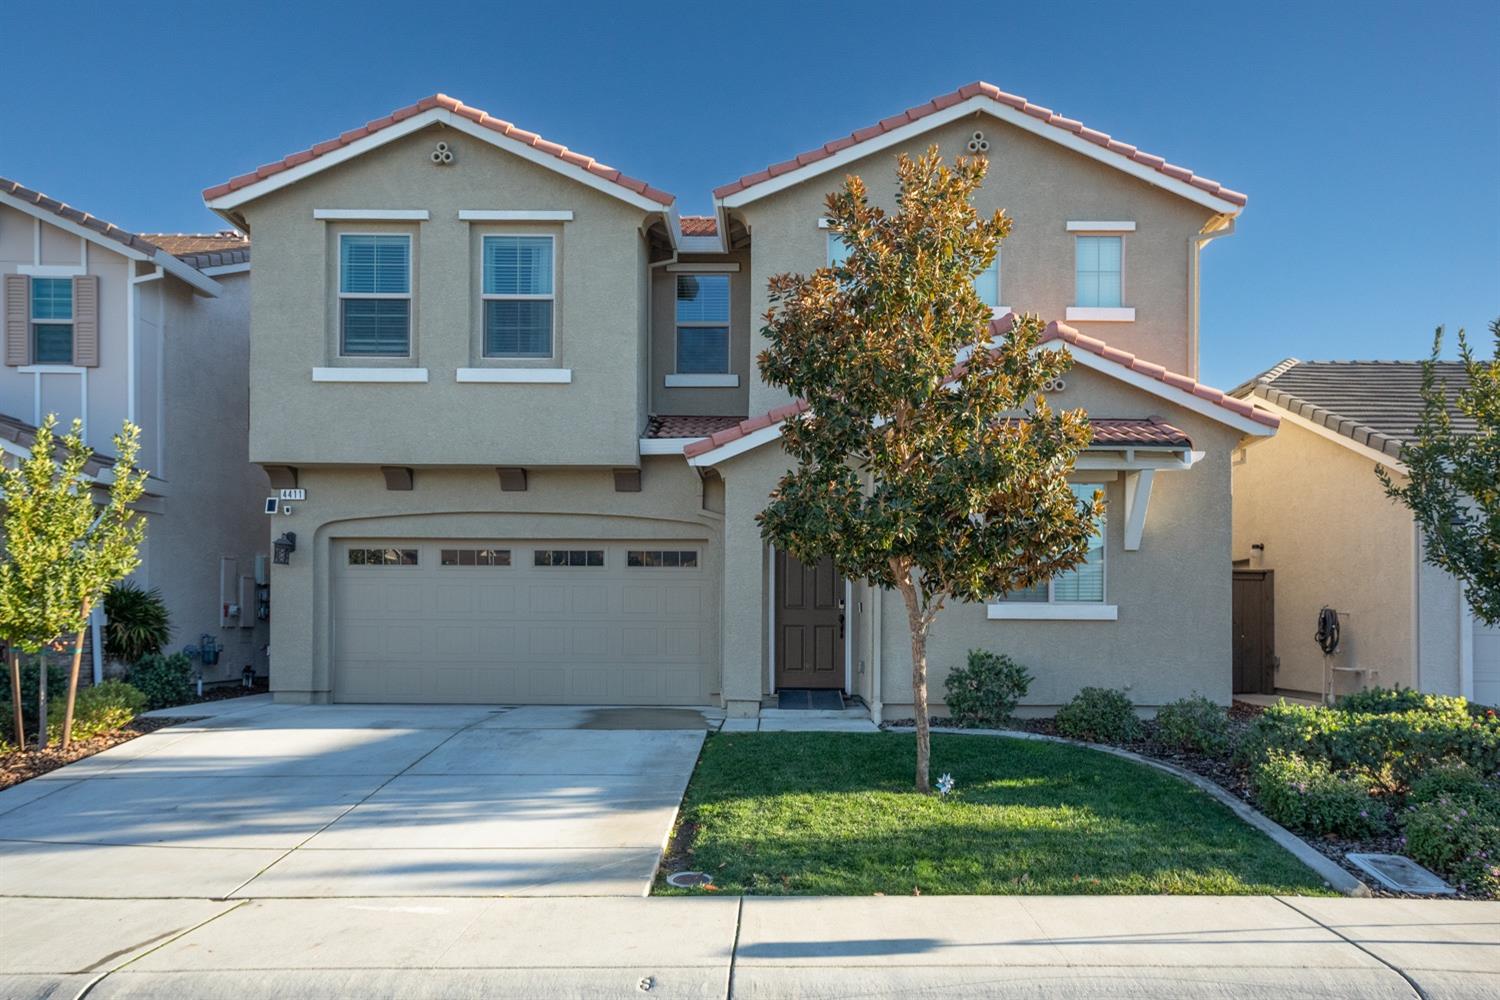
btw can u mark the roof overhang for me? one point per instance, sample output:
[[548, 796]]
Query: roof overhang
[[1006, 113], [186, 273], [1296, 419]]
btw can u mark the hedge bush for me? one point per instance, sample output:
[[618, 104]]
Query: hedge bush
[[1459, 838], [1197, 724], [1387, 701], [1100, 715], [1307, 795], [101, 708], [164, 680], [986, 690]]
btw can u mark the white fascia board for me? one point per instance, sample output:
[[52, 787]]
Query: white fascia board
[[1005, 113], [416, 123], [242, 268], [369, 374], [738, 446], [1155, 461], [665, 446], [371, 214], [1363, 450], [514, 215], [1006, 611], [1093, 226], [515, 376], [1171, 394], [713, 267], [189, 275]]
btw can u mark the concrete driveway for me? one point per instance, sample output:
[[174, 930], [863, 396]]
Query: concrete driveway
[[270, 801]]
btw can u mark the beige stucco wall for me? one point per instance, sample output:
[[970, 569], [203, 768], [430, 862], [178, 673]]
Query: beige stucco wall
[[1042, 186], [716, 400], [595, 420], [1172, 638], [457, 503]]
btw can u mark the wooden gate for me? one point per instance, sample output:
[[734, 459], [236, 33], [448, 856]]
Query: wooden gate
[[1254, 632]]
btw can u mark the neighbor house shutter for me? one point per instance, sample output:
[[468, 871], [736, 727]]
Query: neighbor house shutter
[[17, 319], [86, 321]]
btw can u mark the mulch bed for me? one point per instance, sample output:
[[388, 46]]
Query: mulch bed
[[18, 766], [1233, 778], [226, 691]]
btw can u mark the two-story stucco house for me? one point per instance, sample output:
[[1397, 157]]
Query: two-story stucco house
[[519, 391], [105, 326]]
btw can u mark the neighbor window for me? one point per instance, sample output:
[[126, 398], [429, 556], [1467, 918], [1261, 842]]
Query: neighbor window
[[702, 324], [568, 557], [1098, 272], [382, 557], [669, 558], [518, 296], [374, 295], [1081, 585], [987, 284], [52, 321]]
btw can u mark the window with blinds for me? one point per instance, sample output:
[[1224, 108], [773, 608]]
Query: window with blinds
[[1084, 583], [52, 321], [374, 295], [702, 324], [1098, 270], [519, 297]]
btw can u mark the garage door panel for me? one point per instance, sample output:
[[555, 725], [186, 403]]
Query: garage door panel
[[439, 622]]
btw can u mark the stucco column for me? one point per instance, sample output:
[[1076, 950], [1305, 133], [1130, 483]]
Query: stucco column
[[293, 662], [745, 598]]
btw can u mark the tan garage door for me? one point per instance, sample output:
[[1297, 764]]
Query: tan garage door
[[523, 622]]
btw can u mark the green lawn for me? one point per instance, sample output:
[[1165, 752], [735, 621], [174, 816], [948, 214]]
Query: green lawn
[[833, 814]]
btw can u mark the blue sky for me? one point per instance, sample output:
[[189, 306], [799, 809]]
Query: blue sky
[[1366, 134]]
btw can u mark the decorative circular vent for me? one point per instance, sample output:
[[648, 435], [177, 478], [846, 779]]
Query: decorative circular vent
[[1054, 385], [442, 154], [978, 143]]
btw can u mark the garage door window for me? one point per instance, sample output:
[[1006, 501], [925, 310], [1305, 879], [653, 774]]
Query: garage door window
[[382, 557], [475, 557], [569, 557], [662, 558]]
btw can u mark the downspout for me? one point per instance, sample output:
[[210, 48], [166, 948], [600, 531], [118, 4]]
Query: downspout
[[1219, 225], [1465, 643], [132, 306]]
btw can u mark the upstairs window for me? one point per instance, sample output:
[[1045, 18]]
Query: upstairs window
[[374, 295], [702, 324], [52, 321], [518, 296], [1084, 584], [1098, 272]]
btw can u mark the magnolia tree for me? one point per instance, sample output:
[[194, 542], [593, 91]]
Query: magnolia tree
[[62, 551], [1452, 481], [943, 483]]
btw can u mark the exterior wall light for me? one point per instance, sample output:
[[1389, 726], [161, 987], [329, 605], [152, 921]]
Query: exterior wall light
[[284, 547]]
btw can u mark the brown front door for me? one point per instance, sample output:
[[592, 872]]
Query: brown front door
[[809, 624], [1254, 644]]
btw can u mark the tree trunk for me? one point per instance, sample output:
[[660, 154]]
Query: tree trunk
[[67, 734], [41, 700], [918, 623], [15, 695]]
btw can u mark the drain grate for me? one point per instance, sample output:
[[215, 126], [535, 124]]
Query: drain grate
[[1402, 874], [689, 880]]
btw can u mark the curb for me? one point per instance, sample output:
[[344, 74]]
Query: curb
[[1330, 871]]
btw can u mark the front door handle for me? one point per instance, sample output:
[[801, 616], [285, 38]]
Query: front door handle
[[841, 624]]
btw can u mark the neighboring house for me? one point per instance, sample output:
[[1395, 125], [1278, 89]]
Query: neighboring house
[[519, 392], [1313, 528], [107, 326]]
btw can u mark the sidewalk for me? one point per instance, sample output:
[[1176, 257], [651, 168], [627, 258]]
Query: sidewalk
[[1077, 946]]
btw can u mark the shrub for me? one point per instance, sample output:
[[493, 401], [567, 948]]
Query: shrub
[[1459, 838], [1453, 780], [1307, 795], [1101, 715], [164, 680], [102, 708], [136, 623], [1387, 701], [1194, 724], [985, 692]]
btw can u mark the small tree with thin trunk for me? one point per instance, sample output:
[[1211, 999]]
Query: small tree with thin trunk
[[62, 551], [1452, 482], [940, 482]]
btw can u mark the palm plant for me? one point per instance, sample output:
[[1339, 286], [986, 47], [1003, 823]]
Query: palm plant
[[137, 624]]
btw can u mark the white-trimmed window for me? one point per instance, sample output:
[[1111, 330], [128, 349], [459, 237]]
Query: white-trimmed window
[[1099, 272], [702, 324], [838, 250], [519, 296], [987, 285], [374, 295], [52, 321], [1084, 584]]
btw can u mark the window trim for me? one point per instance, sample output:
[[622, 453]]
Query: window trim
[[411, 272], [998, 309], [32, 322], [496, 297], [1100, 314], [703, 379], [1054, 610]]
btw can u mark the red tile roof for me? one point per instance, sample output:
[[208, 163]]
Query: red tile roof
[[1115, 431], [977, 89], [457, 107], [669, 426], [700, 225]]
